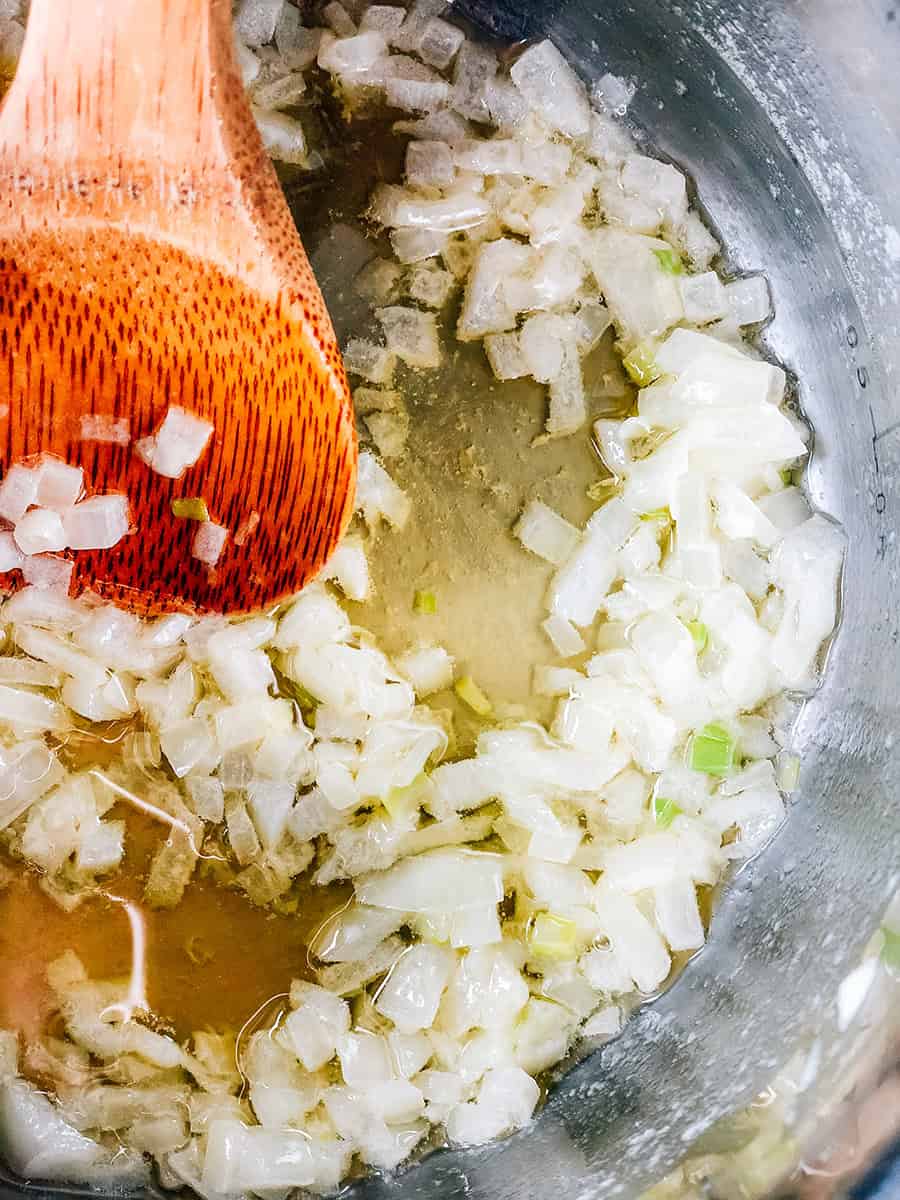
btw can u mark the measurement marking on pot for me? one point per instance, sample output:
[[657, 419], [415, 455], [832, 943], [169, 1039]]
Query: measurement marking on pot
[[875, 438], [880, 499], [862, 379], [892, 428]]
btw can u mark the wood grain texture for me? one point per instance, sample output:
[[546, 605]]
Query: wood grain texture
[[148, 258]]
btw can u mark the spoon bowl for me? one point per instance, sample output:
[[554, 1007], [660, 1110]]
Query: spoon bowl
[[148, 259]]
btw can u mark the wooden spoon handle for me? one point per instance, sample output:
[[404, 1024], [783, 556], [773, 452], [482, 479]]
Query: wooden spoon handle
[[122, 81], [132, 113]]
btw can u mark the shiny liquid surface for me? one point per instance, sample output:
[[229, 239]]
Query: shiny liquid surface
[[210, 962], [474, 458], [747, 1001]]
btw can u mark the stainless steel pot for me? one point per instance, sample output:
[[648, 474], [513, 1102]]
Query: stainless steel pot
[[787, 115], [788, 118]]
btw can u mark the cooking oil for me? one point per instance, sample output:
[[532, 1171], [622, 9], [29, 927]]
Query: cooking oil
[[475, 456]]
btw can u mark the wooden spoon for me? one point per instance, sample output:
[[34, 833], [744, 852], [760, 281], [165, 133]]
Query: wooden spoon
[[148, 258]]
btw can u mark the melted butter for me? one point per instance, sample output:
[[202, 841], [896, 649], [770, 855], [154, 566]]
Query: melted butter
[[210, 962], [94, 745], [475, 457]]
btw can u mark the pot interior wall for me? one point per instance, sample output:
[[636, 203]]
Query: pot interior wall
[[791, 925]]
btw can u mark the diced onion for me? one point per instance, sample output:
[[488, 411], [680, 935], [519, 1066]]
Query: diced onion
[[748, 300], [552, 88], [209, 542], [18, 491], [472, 696], [99, 427], [429, 669], [411, 335], [59, 484], [545, 533], [97, 523], [40, 531], [48, 571], [177, 444], [378, 496], [11, 556], [552, 936], [713, 750]]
